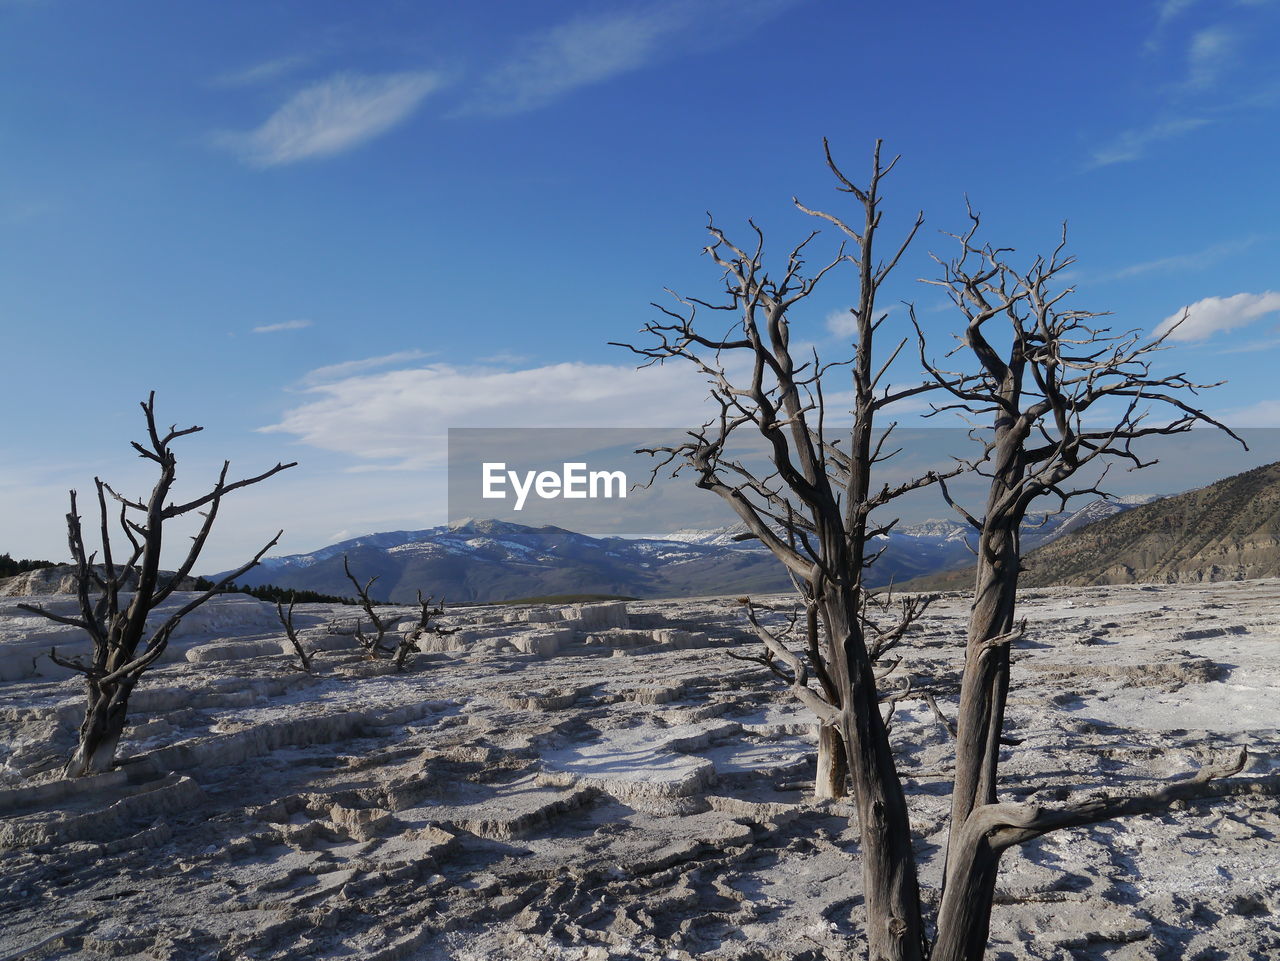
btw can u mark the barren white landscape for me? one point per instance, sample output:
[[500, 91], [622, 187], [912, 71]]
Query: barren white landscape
[[605, 781], [860, 537]]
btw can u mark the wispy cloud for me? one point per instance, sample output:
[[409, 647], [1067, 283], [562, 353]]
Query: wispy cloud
[[586, 50], [349, 368], [1172, 9], [1264, 413], [333, 116], [1212, 315], [1167, 12], [1132, 144], [261, 72], [504, 357], [398, 417], [1220, 50], [1209, 54], [1252, 347], [1199, 260], [841, 323], [286, 325], [592, 48]]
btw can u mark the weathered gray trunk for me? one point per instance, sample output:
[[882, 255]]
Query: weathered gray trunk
[[964, 916], [891, 890], [986, 676], [833, 766], [104, 720], [969, 877]]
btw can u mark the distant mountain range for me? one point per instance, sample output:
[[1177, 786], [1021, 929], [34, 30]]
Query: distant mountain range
[[1229, 530], [489, 560]]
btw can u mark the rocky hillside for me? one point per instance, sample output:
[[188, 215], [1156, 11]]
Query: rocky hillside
[[1227, 531]]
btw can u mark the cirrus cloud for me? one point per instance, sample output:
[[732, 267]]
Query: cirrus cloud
[[285, 325], [333, 116], [594, 47]]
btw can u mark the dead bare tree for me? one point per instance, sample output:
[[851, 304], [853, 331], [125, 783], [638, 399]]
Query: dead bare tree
[[372, 646], [885, 621], [1041, 393], [305, 657], [124, 646], [430, 610], [813, 512]]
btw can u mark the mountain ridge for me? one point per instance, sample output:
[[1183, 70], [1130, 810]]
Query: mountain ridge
[[490, 560], [1227, 530]]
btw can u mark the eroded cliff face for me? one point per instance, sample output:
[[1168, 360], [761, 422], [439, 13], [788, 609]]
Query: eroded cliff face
[[59, 580], [607, 782]]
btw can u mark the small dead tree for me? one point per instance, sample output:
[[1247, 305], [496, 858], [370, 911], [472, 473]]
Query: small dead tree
[[430, 610], [1042, 392], [371, 645], [124, 645], [884, 623], [305, 657]]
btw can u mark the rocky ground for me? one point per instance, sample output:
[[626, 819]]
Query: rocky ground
[[608, 782]]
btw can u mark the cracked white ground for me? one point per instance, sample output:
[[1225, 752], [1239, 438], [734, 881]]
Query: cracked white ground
[[614, 785]]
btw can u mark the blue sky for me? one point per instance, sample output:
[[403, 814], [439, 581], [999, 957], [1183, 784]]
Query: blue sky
[[328, 231]]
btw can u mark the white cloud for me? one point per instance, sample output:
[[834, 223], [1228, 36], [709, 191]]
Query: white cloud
[[260, 72], [841, 323], [400, 416], [1132, 144], [286, 325], [504, 357], [1167, 12], [592, 48], [586, 50], [1210, 52], [350, 367], [1172, 9], [333, 116], [1213, 314]]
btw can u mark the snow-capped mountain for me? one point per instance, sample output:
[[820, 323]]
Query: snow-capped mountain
[[483, 560], [735, 535], [937, 544], [495, 560], [935, 529]]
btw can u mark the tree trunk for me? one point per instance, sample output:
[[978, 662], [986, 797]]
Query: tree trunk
[[980, 721], [891, 890], [964, 917], [969, 878], [833, 765], [104, 721]]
